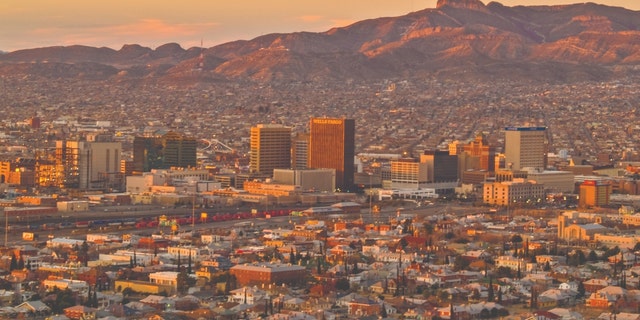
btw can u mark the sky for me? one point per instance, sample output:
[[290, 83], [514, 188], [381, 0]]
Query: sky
[[152, 23]]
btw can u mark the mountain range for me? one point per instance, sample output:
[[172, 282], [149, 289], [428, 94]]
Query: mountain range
[[459, 38]]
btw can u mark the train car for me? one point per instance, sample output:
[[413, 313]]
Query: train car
[[98, 223], [82, 224], [114, 223], [65, 225]]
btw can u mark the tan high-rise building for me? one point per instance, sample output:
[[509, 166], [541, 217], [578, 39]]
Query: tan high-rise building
[[300, 151], [332, 146], [525, 147], [408, 173], [512, 192], [480, 149], [270, 148], [594, 193], [456, 148], [87, 165]]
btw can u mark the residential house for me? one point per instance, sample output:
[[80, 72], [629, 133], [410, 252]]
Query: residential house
[[362, 307]]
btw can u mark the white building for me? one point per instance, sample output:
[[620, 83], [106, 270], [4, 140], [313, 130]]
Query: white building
[[166, 278], [184, 253], [62, 284]]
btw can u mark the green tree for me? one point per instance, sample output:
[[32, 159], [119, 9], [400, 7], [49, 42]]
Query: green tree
[[21, 263], [63, 299], [94, 299], [475, 295], [13, 265], [184, 282], [403, 243], [504, 272], [383, 311], [460, 264], [516, 239], [189, 264], [84, 253], [490, 293], [292, 257], [342, 284], [581, 290]]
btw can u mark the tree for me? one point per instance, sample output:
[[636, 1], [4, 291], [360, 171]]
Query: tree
[[490, 293], [581, 290], [13, 265], [593, 256], [504, 272], [189, 264], [475, 295], [184, 282], [460, 264], [84, 253], [443, 295], [292, 257], [95, 299], [63, 299], [383, 311], [88, 303], [516, 239], [355, 269], [403, 243], [342, 284], [428, 228], [21, 263], [179, 262]]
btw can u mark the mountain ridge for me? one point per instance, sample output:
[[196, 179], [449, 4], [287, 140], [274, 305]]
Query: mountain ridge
[[457, 36]]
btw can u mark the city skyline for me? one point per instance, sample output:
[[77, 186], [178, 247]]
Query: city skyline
[[25, 25]]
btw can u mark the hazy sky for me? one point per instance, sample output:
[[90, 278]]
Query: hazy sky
[[151, 23]]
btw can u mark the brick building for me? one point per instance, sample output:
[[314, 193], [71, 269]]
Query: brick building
[[268, 273]]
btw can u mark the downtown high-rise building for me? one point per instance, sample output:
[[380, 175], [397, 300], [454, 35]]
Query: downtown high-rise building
[[163, 152], [89, 164], [480, 149], [300, 151], [332, 146], [441, 166], [525, 147], [270, 148]]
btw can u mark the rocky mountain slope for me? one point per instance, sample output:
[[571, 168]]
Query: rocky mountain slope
[[457, 38]]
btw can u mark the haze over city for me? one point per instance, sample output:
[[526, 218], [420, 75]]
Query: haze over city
[[29, 24]]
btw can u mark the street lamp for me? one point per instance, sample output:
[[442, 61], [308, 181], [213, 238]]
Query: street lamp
[[193, 213]]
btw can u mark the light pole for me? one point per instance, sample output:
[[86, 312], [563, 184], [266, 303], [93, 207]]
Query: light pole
[[6, 228], [193, 213], [370, 193]]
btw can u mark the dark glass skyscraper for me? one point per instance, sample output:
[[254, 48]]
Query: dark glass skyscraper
[[169, 150]]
